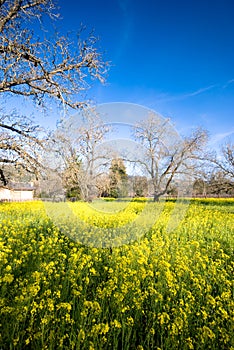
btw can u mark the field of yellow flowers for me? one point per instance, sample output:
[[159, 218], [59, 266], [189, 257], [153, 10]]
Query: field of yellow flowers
[[102, 278]]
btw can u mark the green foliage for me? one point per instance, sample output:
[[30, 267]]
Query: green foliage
[[71, 178], [73, 192], [118, 179]]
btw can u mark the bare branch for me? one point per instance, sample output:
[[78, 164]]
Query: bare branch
[[225, 161], [165, 155], [59, 68], [20, 144], [82, 161]]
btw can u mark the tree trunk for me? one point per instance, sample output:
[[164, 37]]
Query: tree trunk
[[156, 197]]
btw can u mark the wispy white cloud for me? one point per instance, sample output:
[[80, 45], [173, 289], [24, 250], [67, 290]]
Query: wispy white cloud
[[127, 24], [188, 94], [199, 91], [217, 138], [123, 4], [231, 81], [195, 93]]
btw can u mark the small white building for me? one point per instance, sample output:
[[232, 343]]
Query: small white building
[[17, 192]]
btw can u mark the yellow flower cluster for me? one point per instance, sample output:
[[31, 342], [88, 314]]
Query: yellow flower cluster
[[146, 288]]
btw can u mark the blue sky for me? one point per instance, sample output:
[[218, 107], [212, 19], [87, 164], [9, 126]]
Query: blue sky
[[173, 56]]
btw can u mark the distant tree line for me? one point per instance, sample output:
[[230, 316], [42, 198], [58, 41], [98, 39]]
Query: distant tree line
[[87, 170]]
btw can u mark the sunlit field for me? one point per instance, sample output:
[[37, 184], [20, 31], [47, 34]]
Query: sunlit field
[[130, 280]]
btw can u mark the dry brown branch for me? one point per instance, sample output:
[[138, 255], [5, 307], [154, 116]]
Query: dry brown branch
[[58, 68], [165, 155]]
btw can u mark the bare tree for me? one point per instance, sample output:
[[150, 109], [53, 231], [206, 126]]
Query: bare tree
[[166, 157], [20, 146], [139, 186], [225, 161], [220, 185], [58, 68], [79, 145], [219, 170], [103, 185]]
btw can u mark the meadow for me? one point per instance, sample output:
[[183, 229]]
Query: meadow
[[117, 275]]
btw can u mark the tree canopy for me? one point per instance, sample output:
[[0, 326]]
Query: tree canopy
[[166, 156], [43, 68]]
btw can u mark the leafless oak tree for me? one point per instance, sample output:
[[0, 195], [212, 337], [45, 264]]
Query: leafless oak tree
[[20, 145], [165, 155], [225, 161], [58, 68], [83, 158]]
